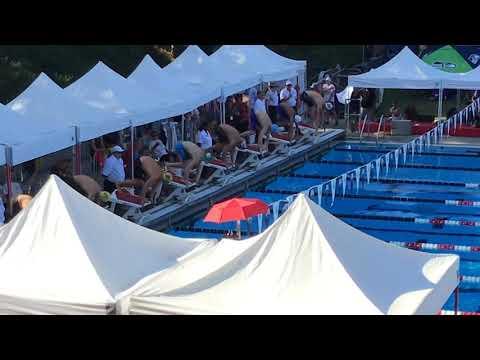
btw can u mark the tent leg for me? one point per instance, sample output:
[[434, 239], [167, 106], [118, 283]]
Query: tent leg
[[132, 141], [440, 102], [77, 156], [9, 178], [221, 112], [183, 128], [239, 230], [457, 299]]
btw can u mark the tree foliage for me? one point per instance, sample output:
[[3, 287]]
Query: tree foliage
[[20, 65]]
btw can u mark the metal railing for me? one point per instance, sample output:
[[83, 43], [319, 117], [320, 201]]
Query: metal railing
[[380, 127], [363, 127]]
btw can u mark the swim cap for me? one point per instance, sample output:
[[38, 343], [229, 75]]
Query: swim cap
[[104, 196], [167, 177]]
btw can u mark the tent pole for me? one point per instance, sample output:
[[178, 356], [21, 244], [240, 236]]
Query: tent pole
[[183, 128], [8, 176], [239, 230], [77, 152], [347, 114], [440, 101], [224, 111], [132, 150], [457, 299]]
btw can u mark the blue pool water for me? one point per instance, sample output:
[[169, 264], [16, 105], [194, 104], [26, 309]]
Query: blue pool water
[[386, 209]]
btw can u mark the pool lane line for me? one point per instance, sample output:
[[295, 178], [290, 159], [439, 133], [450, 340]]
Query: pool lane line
[[474, 155], [444, 247], [461, 313], [464, 203], [415, 231], [393, 181], [409, 166], [436, 221]]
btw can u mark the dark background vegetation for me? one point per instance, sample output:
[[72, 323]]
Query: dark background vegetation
[[20, 65]]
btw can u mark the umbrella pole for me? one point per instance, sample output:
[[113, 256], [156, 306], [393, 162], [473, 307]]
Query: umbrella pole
[[457, 299], [249, 225], [239, 232]]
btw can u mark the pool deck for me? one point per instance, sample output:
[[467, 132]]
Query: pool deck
[[169, 215]]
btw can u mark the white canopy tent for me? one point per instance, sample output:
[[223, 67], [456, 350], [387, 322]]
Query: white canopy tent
[[298, 64], [465, 81], [265, 63], [29, 140], [44, 102], [190, 77], [295, 70], [233, 67], [307, 262], [104, 89], [405, 71], [53, 261]]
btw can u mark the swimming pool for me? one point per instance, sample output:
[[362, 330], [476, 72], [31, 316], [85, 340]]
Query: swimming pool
[[392, 208]]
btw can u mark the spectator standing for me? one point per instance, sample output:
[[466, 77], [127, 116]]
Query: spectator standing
[[272, 101], [241, 114], [289, 95], [328, 93], [367, 103], [205, 140]]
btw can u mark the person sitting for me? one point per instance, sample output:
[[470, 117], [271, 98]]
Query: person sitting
[[227, 139], [156, 146], [205, 140], [188, 156], [264, 123], [113, 170], [395, 111]]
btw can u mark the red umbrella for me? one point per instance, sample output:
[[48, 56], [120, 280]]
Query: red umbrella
[[235, 210]]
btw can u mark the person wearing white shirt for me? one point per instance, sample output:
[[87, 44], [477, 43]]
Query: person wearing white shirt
[[272, 102], [205, 140], [328, 92], [287, 108], [113, 170], [289, 95]]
